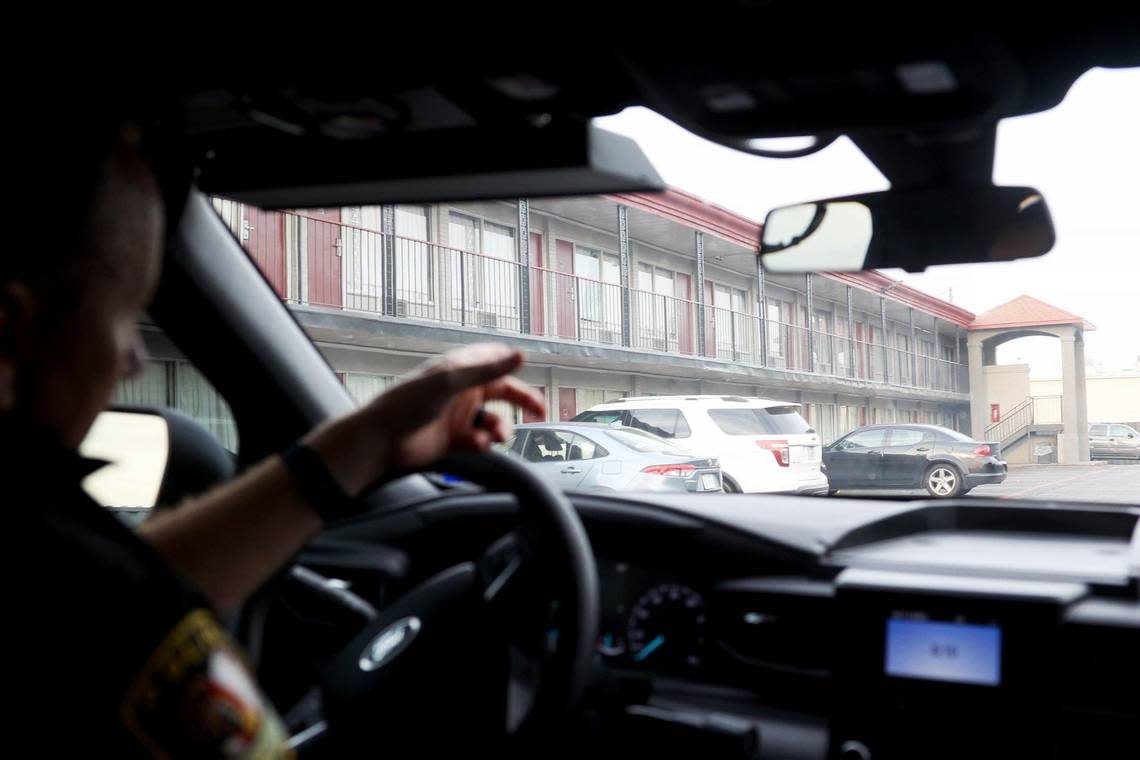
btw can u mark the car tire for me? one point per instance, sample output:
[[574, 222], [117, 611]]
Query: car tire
[[832, 491], [729, 485], [943, 481]]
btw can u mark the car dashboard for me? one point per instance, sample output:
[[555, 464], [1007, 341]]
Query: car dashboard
[[789, 627]]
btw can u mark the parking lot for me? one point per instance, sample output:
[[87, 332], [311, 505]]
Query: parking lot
[[1117, 483]]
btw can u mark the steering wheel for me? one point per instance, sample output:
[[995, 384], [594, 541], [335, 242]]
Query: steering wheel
[[494, 651]]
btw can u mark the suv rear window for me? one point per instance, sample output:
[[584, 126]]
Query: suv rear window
[[775, 420], [667, 423], [606, 417]]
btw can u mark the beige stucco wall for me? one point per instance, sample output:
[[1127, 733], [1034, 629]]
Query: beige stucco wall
[[1007, 385], [1111, 398]]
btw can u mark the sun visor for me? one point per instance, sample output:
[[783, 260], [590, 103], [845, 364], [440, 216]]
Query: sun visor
[[274, 170]]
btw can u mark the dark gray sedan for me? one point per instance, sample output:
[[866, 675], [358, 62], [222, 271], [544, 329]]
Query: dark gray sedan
[[944, 462], [586, 456]]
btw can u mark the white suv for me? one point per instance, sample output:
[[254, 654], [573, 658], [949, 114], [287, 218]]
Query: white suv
[[763, 445]]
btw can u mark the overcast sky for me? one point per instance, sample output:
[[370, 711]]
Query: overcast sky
[[1084, 156]]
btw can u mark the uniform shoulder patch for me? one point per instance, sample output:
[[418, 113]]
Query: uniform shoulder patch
[[196, 698]]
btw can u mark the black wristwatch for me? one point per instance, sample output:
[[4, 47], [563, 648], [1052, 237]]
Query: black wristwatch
[[325, 495]]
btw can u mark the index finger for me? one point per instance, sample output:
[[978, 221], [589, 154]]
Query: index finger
[[515, 391], [479, 364]]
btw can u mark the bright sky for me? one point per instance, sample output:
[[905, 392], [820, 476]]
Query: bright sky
[[1084, 156]]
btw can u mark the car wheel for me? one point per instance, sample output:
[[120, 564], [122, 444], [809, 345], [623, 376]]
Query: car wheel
[[943, 481], [730, 485]]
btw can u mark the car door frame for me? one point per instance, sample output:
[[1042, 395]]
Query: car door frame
[[845, 480], [1099, 444], [1122, 446], [897, 473]]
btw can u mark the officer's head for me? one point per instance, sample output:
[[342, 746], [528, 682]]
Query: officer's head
[[71, 295]]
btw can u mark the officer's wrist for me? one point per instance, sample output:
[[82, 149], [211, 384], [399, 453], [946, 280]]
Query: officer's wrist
[[352, 451]]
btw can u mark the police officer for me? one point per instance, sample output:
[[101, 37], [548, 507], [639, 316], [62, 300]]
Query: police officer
[[120, 632]]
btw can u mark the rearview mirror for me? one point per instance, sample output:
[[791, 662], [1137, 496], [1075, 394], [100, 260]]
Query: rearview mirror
[[910, 229]]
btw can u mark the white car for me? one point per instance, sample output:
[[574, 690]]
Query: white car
[[763, 445]]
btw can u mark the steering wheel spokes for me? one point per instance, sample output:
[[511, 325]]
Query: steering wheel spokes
[[476, 652]]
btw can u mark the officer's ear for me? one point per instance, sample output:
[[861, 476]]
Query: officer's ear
[[19, 310]]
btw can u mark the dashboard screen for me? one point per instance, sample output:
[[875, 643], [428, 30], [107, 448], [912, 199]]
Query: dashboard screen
[[967, 653]]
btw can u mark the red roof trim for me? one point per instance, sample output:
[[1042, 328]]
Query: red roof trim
[[691, 211], [697, 213], [1004, 316], [1081, 323], [879, 284]]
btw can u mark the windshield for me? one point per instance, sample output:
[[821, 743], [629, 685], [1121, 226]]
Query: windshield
[[656, 301]]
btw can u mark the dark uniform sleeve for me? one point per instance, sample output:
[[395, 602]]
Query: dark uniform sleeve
[[125, 660]]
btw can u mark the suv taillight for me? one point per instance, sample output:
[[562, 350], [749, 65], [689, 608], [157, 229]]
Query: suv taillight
[[671, 470], [779, 449], [983, 450]]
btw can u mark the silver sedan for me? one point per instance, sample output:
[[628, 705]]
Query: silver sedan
[[586, 456]]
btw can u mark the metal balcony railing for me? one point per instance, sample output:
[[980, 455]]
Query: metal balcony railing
[[318, 262]]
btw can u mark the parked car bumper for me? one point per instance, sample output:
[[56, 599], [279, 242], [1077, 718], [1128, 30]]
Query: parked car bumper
[[987, 473]]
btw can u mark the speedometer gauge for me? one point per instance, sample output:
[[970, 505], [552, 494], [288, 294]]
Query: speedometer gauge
[[666, 627]]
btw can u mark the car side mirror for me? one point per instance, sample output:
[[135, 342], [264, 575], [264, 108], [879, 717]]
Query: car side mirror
[[158, 457], [136, 447]]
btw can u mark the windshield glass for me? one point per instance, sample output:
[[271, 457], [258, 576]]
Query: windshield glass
[[653, 304]]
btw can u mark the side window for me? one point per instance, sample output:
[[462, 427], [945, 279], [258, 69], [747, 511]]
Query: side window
[[667, 423], [1121, 431], [683, 430], [867, 439], [584, 448], [906, 437], [547, 446], [1101, 430], [607, 417]]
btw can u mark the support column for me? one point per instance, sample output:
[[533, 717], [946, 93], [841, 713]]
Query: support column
[[699, 245], [551, 395], [810, 321], [913, 349], [1082, 400], [762, 299], [851, 359], [1069, 440], [624, 273], [524, 265], [936, 365], [886, 339], [388, 236], [958, 358], [979, 402]]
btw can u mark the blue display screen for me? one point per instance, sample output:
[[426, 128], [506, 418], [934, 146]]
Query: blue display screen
[[941, 651]]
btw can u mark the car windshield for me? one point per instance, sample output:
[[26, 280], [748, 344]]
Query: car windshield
[[653, 304]]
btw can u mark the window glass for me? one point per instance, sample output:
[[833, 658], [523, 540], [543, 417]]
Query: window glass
[[906, 437]]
